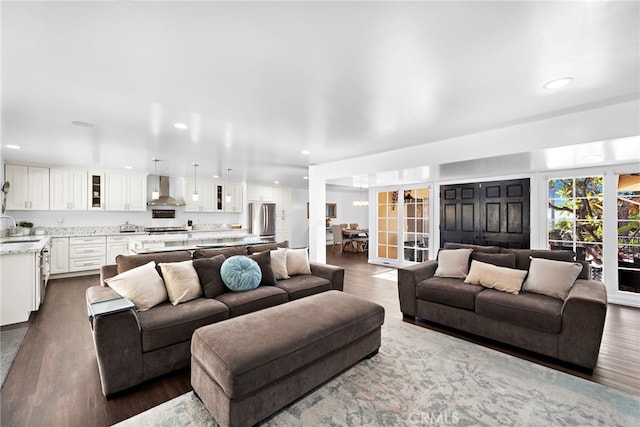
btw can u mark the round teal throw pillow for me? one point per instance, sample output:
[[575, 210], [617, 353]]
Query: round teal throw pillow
[[240, 273]]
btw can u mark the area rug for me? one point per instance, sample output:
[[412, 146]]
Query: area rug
[[10, 341], [422, 377]]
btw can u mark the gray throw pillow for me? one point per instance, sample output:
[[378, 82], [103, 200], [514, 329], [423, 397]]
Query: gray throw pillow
[[208, 270], [501, 260], [453, 263], [552, 278]]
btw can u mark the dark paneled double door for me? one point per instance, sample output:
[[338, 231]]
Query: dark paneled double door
[[487, 213]]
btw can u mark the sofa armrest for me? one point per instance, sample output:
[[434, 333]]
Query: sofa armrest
[[107, 271], [332, 273], [408, 279], [583, 317], [118, 342]]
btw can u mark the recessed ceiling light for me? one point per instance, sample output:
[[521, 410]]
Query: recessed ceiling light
[[306, 152], [276, 182], [305, 177], [13, 147], [558, 83], [216, 176], [128, 167], [180, 126], [82, 124]]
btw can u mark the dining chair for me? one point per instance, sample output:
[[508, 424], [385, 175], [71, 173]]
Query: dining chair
[[338, 237], [353, 226]]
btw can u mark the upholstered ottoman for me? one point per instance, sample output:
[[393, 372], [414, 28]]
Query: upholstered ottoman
[[246, 368]]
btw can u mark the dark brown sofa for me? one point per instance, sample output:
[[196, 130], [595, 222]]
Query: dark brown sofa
[[132, 346], [569, 330]]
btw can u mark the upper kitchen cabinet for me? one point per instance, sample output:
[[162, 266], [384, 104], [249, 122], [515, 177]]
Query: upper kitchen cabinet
[[260, 193], [207, 196], [233, 197], [96, 190], [67, 190], [126, 192], [29, 187]]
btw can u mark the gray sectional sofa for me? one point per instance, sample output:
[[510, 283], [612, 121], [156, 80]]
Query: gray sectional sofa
[[567, 326], [134, 346]]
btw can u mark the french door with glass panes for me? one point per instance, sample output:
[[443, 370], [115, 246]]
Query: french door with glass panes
[[403, 225]]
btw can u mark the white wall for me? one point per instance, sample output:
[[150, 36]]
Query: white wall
[[346, 213]]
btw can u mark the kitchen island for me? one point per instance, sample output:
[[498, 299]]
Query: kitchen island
[[24, 271], [191, 239], [194, 246]]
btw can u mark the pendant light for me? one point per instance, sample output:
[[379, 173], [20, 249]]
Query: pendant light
[[195, 196], [227, 198], [155, 193]]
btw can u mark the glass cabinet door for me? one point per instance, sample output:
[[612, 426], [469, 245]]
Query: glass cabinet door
[[96, 191]]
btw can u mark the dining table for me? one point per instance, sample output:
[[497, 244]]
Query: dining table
[[359, 238]]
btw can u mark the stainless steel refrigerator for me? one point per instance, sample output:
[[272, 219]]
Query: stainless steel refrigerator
[[262, 220]]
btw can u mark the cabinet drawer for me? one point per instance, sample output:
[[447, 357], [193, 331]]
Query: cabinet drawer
[[86, 251], [89, 263], [87, 240], [117, 239]]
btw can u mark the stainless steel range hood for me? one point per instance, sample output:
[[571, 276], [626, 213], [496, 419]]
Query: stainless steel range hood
[[165, 199]]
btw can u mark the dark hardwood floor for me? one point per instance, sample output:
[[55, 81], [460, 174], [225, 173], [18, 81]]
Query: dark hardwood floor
[[54, 380]]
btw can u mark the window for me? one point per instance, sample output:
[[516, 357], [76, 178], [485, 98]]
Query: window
[[629, 232], [387, 225], [416, 225], [575, 218]]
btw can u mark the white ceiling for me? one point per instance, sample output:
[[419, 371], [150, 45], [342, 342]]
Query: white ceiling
[[257, 83]]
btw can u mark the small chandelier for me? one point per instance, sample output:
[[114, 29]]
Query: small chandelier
[[362, 202], [195, 195]]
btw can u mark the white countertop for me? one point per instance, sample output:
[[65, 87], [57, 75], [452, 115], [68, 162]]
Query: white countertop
[[19, 247], [187, 236]]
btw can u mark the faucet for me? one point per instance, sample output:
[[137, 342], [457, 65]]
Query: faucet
[[3, 216]]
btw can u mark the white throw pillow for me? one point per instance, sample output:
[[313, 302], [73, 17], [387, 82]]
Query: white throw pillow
[[181, 280], [453, 263], [142, 285], [298, 261], [492, 276], [552, 278], [279, 263]]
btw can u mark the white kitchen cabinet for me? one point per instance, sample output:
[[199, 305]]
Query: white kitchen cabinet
[[17, 287], [125, 192], [67, 189], [116, 245], [235, 191], [260, 193], [87, 253], [96, 190], [59, 255], [29, 187], [284, 215], [206, 196]]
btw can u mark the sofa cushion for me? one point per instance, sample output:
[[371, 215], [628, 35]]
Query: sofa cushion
[[279, 263], [476, 248], [127, 262], [264, 262], [240, 303], [208, 270], [453, 263], [495, 277], [304, 285], [298, 261], [552, 278], [240, 273], [501, 260], [448, 291], [227, 252], [167, 324], [252, 249], [523, 256], [142, 285], [529, 310], [181, 281]]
